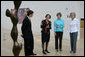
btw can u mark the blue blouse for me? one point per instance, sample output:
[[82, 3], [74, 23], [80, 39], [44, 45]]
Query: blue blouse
[[60, 23]]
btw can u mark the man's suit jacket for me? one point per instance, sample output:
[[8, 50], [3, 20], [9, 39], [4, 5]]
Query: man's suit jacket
[[28, 36], [26, 28]]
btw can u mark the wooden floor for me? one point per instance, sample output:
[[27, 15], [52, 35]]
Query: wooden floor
[[6, 46]]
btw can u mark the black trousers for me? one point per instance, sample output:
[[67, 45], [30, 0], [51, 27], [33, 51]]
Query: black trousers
[[58, 36], [28, 46]]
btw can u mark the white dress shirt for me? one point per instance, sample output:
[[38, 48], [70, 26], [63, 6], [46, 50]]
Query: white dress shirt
[[29, 18], [74, 25]]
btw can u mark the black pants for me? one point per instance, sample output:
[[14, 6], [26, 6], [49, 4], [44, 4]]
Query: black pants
[[58, 36], [28, 46]]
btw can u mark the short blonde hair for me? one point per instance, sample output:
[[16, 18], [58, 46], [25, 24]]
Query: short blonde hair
[[73, 14]]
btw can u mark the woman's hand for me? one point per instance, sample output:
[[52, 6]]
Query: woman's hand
[[47, 26], [58, 26]]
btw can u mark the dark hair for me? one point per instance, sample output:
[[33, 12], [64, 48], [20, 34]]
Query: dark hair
[[59, 14], [29, 12], [8, 13], [48, 15]]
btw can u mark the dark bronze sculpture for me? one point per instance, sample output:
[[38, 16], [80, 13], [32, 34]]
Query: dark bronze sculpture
[[14, 32]]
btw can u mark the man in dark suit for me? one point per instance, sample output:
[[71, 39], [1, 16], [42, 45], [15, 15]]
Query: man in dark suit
[[27, 34]]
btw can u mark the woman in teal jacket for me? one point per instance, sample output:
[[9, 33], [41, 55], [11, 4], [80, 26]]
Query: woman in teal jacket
[[58, 29]]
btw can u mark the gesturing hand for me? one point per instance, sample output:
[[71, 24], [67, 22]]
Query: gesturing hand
[[47, 26], [57, 26]]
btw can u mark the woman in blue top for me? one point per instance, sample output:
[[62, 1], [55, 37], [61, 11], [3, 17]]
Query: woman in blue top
[[58, 29]]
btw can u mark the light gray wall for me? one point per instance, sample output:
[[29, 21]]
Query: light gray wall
[[41, 8]]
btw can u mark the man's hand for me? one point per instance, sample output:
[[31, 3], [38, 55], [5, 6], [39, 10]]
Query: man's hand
[[16, 44]]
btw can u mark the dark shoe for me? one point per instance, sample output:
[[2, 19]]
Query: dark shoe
[[71, 51], [47, 51], [57, 50], [43, 52], [33, 54], [60, 49], [74, 52]]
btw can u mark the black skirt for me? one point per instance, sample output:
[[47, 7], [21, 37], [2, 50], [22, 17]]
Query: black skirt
[[45, 37]]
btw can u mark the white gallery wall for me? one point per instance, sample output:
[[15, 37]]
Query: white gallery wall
[[41, 8]]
